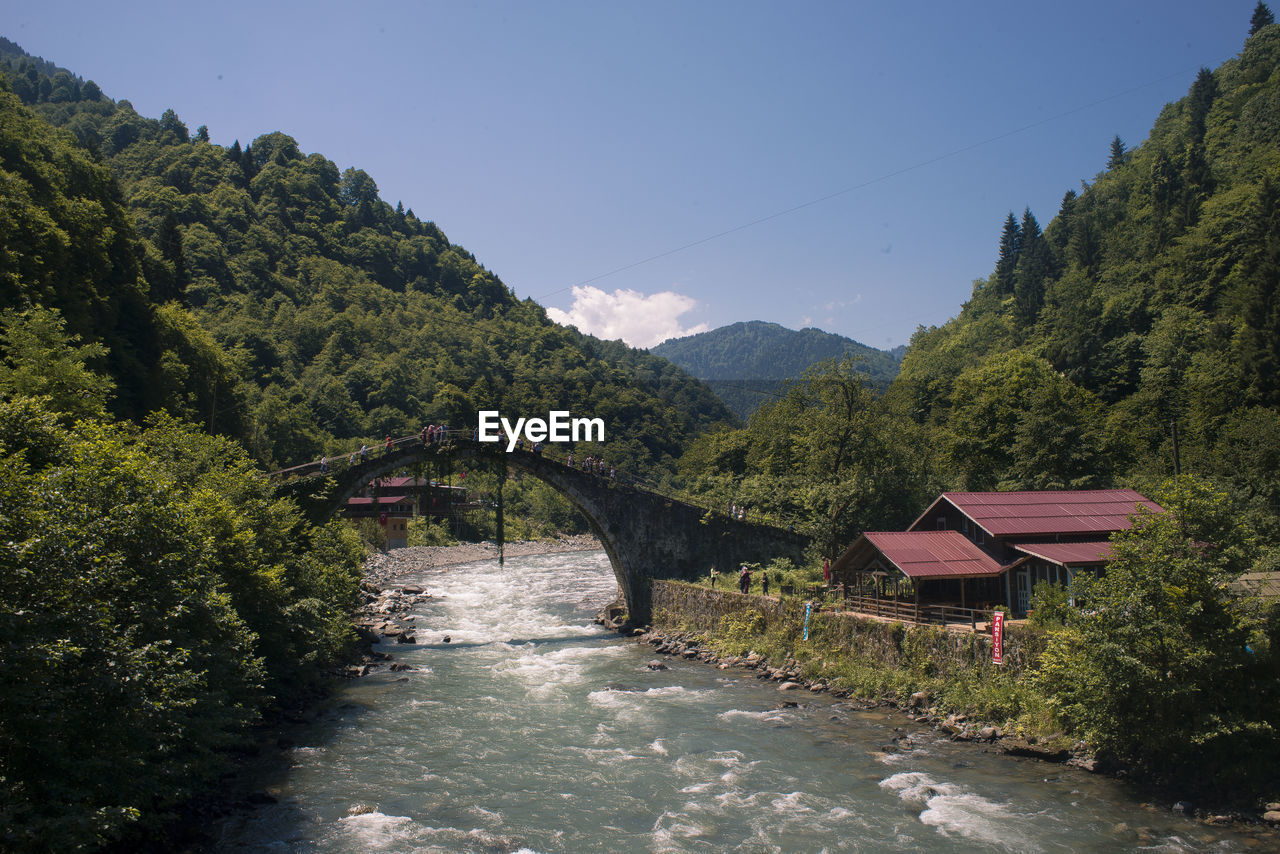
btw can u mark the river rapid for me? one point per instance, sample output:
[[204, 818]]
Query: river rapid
[[534, 730]]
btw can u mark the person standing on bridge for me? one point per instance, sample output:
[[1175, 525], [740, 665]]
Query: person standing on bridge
[[386, 448]]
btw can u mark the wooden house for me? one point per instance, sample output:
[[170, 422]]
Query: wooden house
[[978, 550]]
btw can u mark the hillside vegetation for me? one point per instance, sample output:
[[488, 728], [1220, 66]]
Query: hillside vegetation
[[267, 295]]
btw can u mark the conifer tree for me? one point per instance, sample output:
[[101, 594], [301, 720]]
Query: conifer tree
[[1007, 262], [1262, 17], [169, 242], [1117, 152], [1199, 100], [1061, 229], [1259, 341], [247, 162], [1033, 267], [1166, 190], [1197, 184]]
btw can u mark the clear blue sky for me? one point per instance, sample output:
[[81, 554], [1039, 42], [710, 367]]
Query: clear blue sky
[[591, 143]]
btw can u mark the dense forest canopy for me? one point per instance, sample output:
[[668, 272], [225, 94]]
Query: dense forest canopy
[[270, 296]]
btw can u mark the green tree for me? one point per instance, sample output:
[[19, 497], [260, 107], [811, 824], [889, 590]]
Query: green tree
[[38, 358], [1118, 152], [1007, 260], [1018, 424], [1199, 101], [1259, 342], [1262, 17], [155, 597], [1034, 266], [173, 127], [1162, 666]]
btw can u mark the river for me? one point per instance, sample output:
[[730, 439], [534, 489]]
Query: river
[[535, 730]]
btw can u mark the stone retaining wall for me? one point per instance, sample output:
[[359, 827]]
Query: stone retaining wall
[[929, 650]]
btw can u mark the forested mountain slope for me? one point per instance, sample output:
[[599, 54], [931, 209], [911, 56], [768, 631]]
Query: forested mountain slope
[[1149, 302], [312, 311], [746, 363]]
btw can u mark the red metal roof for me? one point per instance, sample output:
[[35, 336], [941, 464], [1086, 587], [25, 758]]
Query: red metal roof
[[1084, 511], [1068, 554], [933, 554]]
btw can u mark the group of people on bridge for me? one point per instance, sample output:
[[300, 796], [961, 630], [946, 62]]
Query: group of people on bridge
[[594, 465]]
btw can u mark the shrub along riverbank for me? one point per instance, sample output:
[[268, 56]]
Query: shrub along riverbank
[[156, 602]]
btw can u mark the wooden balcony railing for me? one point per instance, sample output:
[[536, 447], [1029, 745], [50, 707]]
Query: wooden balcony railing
[[920, 614]]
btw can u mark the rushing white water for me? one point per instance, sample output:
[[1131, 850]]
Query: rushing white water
[[535, 730]]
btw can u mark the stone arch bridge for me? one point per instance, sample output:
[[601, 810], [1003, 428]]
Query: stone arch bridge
[[647, 536]]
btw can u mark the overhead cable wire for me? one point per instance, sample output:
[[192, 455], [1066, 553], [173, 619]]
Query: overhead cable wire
[[864, 184]]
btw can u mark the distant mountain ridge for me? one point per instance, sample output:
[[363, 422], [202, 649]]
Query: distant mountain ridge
[[747, 363]]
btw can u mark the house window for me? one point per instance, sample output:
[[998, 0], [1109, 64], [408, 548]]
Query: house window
[[977, 535], [942, 523]]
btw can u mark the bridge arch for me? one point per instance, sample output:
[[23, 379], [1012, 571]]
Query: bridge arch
[[646, 536]]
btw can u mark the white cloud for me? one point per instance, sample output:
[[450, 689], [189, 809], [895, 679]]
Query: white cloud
[[639, 320]]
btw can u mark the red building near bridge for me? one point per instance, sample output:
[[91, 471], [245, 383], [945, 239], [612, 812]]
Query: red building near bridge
[[393, 501]]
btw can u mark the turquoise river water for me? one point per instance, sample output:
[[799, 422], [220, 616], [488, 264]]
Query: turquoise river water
[[535, 730]]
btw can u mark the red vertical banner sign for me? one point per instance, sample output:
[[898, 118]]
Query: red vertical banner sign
[[997, 637]]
